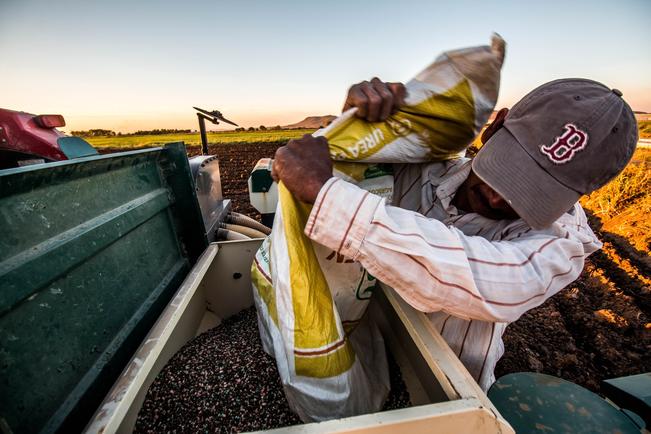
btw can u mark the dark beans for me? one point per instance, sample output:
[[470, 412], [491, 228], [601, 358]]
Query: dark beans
[[398, 395], [223, 381]]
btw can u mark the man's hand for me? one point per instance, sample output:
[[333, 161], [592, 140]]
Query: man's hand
[[303, 165], [494, 126], [375, 100]]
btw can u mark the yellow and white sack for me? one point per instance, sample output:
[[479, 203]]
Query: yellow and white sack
[[310, 300]]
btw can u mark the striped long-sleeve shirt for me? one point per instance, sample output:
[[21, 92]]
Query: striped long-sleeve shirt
[[470, 274]]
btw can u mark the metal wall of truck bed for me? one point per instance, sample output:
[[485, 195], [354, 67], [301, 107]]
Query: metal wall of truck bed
[[92, 251]]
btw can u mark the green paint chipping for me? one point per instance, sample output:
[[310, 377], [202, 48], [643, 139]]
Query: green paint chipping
[[539, 403]]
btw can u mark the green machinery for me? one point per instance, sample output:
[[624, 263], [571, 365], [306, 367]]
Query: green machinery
[[92, 250]]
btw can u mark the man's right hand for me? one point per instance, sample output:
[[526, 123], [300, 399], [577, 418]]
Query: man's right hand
[[375, 100]]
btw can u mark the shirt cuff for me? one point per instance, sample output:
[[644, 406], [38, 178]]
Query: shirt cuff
[[341, 217]]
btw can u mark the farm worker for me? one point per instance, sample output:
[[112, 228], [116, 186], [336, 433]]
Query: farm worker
[[475, 243]]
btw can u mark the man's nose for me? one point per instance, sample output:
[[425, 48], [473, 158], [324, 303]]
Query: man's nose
[[495, 200]]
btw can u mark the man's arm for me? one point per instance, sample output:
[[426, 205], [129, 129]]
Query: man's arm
[[433, 266], [436, 267], [304, 164]]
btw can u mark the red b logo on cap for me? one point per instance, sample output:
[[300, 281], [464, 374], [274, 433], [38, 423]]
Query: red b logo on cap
[[566, 145]]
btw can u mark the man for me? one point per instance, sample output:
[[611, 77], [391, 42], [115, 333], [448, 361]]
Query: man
[[475, 243]]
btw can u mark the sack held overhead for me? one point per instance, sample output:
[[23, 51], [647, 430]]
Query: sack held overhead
[[311, 300]]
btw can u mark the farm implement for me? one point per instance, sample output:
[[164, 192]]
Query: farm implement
[[110, 264], [29, 139]]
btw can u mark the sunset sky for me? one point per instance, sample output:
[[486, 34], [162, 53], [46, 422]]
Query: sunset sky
[[128, 65]]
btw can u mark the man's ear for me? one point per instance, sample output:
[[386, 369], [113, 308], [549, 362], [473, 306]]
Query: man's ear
[[496, 125]]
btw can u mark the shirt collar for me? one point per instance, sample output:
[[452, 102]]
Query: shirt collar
[[449, 183]]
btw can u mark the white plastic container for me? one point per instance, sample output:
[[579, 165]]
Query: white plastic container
[[263, 191]]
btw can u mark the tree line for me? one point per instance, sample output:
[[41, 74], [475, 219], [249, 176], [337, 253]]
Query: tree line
[[98, 132], [260, 128], [109, 133]]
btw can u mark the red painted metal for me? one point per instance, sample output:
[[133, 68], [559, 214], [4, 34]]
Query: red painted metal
[[50, 121], [20, 132]]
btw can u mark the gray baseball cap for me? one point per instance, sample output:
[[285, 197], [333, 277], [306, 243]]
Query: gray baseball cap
[[564, 139]]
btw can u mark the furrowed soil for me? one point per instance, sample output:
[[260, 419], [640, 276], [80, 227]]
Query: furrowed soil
[[599, 327]]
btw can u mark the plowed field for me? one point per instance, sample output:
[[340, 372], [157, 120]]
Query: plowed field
[[599, 327]]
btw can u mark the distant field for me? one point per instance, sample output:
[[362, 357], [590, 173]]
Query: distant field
[[193, 139], [221, 137]]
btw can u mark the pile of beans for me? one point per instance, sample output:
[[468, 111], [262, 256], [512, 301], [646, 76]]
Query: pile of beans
[[223, 381]]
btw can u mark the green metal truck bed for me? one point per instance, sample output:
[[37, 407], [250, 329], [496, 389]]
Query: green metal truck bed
[[91, 251]]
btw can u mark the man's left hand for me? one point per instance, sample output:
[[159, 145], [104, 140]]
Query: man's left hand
[[303, 165]]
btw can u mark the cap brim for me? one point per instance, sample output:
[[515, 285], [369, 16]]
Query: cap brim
[[534, 194]]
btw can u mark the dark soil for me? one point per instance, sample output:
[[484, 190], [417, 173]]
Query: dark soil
[[223, 381], [597, 328]]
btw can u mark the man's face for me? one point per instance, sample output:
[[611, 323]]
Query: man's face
[[476, 196], [485, 201]]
